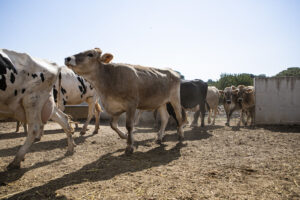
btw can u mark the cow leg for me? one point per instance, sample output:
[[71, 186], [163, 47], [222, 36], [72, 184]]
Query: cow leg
[[164, 117], [209, 116], [91, 105], [228, 117], [215, 114], [252, 113], [202, 110], [64, 121], [97, 118], [25, 128], [178, 109], [129, 126], [241, 117], [196, 117], [17, 126], [137, 118], [114, 126], [33, 130], [33, 107]]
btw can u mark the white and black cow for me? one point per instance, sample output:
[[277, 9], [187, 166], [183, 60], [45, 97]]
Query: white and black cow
[[26, 95], [74, 90]]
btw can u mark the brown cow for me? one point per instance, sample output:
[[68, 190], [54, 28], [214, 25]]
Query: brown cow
[[125, 88], [245, 97], [230, 102]]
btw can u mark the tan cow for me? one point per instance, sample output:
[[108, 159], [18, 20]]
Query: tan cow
[[245, 97], [212, 98], [125, 88], [230, 102]]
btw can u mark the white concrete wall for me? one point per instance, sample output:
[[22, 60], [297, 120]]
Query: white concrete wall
[[277, 100]]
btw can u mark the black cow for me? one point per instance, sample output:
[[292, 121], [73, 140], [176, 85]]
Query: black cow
[[192, 94]]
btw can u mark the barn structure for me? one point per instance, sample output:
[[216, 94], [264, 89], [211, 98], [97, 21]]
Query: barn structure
[[277, 101]]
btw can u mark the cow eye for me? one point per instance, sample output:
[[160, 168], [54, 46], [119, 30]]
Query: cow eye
[[90, 55]]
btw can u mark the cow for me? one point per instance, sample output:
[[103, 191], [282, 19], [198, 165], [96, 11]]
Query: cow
[[25, 95], [212, 99], [245, 97], [230, 102], [192, 94], [75, 90], [125, 88]]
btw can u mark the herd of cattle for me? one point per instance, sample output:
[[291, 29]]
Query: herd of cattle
[[29, 88]]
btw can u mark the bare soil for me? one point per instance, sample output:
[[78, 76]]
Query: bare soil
[[214, 162]]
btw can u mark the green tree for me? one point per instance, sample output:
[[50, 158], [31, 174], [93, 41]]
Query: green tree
[[227, 80], [291, 71]]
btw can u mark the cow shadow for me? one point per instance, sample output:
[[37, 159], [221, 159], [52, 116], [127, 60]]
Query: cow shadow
[[105, 168], [13, 175], [189, 135], [44, 146], [13, 135]]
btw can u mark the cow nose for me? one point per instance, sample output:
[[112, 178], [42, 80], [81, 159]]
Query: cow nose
[[68, 59], [228, 102], [240, 100]]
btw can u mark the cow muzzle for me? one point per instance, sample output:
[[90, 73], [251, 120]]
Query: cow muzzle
[[70, 61], [240, 100], [228, 101]]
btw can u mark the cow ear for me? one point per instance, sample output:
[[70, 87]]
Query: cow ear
[[233, 87], [99, 52], [107, 57], [249, 91], [235, 92]]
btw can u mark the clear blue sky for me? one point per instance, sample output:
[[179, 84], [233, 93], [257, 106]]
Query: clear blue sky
[[201, 39]]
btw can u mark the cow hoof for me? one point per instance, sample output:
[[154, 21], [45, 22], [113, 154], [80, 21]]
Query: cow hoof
[[180, 138], [12, 166], [69, 153], [37, 139], [82, 132], [226, 124], [129, 151], [158, 141], [95, 132], [202, 125]]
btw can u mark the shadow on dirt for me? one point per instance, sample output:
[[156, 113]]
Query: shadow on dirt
[[13, 175], [282, 128], [105, 168], [20, 134], [44, 146]]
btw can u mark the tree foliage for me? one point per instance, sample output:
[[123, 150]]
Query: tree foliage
[[292, 71], [227, 80]]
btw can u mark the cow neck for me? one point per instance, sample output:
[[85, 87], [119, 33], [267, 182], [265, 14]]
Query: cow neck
[[99, 78]]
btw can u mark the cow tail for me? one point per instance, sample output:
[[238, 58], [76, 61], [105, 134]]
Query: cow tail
[[205, 94], [98, 108], [171, 112], [58, 90], [207, 105]]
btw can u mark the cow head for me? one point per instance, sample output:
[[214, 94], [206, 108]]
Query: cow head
[[85, 62], [240, 93], [227, 93]]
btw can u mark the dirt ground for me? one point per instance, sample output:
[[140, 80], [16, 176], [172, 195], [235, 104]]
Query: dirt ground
[[215, 162]]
